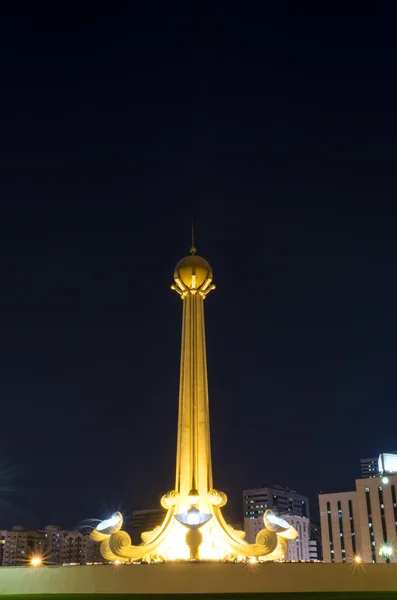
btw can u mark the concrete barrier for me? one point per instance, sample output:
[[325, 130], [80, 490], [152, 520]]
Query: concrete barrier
[[190, 578]]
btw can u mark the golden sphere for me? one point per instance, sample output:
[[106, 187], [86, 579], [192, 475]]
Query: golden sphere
[[193, 272]]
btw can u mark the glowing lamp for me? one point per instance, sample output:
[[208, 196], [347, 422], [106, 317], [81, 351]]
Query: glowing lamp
[[193, 518], [109, 526], [385, 480], [36, 561], [274, 523], [358, 559]]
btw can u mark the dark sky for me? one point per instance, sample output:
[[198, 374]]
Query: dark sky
[[278, 131]]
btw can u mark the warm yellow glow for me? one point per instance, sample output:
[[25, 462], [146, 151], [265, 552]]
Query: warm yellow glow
[[357, 559], [194, 539], [117, 562], [36, 561]]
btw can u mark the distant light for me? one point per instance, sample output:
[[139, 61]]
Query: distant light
[[36, 561], [117, 562], [358, 559], [385, 480]]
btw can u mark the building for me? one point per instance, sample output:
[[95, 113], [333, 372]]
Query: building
[[369, 467], [281, 500], [313, 550], [2, 543], [21, 544], [299, 549], [146, 520], [362, 523], [55, 546], [79, 548]]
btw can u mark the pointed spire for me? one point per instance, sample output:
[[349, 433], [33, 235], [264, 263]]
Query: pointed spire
[[193, 249]]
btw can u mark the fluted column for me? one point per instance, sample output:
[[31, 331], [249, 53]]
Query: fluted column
[[193, 467]]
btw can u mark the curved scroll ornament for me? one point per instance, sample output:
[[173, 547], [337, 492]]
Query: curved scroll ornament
[[218, 540]]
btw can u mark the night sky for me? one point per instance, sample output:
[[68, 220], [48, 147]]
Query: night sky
[[277, 132]]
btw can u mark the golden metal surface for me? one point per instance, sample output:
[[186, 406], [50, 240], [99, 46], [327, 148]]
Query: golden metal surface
[[193, 478]]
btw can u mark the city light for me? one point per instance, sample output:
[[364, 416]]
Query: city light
[[358, 559], [117, 563], [385, 480], [36, 561], [386, 552]]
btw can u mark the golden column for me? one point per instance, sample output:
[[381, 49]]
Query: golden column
[[193, 281], [193, 527]]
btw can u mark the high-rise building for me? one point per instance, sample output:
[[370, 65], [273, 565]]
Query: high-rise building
[[281, 500], [362, 523], [145, 520], [369, 467]]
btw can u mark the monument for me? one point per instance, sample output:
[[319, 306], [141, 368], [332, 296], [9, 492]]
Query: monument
[[194, 527]]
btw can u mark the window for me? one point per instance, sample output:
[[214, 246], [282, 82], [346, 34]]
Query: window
[[352, 532], [394, 500], [371, 533], [342, 539], [331, 539], [382, 513]]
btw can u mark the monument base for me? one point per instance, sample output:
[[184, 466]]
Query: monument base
[[199, 578]]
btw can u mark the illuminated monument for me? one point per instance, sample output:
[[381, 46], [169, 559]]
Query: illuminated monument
[[194, 527]]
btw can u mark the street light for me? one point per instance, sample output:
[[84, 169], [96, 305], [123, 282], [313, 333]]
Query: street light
[[36, 561]]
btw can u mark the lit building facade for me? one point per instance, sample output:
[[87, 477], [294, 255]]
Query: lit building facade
[[78, 548], [340, 526], [54, 545], [369, 467], [314, 550], [281, 500], [299, 549], [362, 524], [2, 544], [20, 544]]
